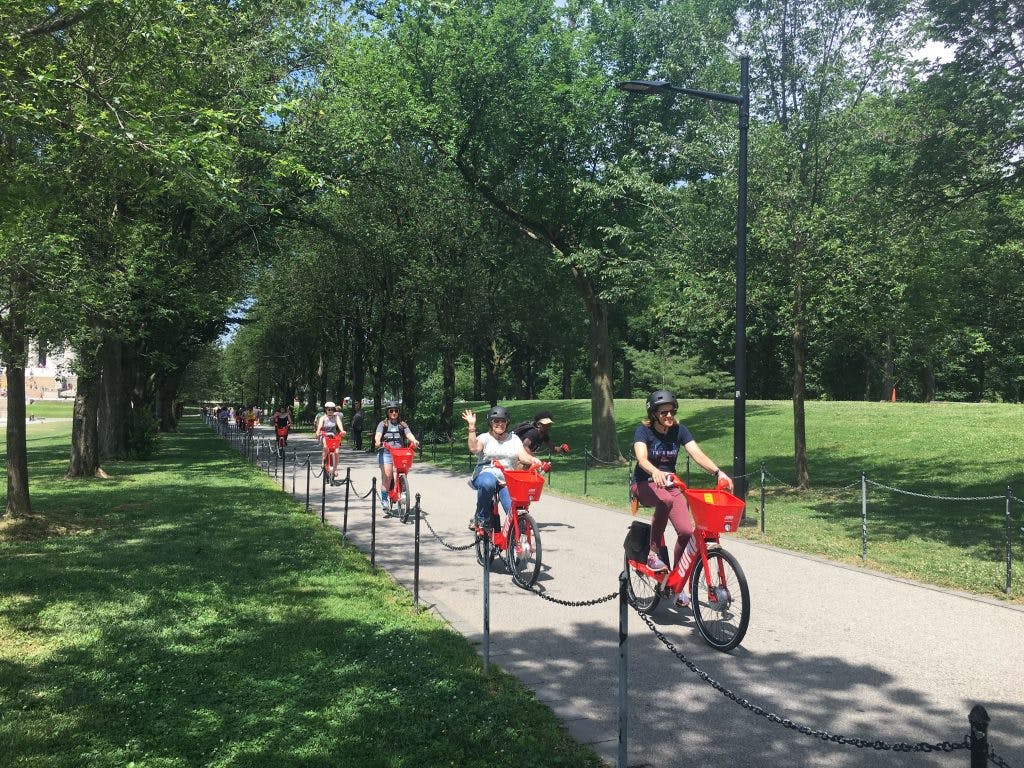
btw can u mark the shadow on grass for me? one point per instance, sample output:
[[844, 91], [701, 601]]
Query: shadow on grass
[[203, 621]]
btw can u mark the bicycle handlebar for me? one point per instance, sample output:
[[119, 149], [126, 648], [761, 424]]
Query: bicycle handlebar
[[674, 479]]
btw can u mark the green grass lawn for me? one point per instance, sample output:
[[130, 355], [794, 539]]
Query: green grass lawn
[[940, 449], [47, 409], [186, 613]]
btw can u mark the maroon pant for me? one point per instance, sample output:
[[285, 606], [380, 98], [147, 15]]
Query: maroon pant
[[668, 504]]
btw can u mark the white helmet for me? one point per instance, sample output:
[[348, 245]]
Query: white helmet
[[330, 404]]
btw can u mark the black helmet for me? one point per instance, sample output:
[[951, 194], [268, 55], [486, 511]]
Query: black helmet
[[392, 404], [497, 412], [660, 397]]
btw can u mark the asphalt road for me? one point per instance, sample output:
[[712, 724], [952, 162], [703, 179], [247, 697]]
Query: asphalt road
[[831, 647]]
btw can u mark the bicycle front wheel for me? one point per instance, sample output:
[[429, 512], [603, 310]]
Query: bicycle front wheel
[[524, 551], [480, 549], [721, 606], [641, 589], [404, 506]]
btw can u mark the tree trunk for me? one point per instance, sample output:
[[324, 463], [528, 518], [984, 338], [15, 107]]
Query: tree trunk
[[166, 392], [491, 369], [568, 364], [18, 501], [627, 379], [358, 363], [799, 392], [340, 388], [378, 380], [447, 390], [478, 378], [605, 445], [85, 442], [410, 396], [888, 371], [111, 399], [928, 393]]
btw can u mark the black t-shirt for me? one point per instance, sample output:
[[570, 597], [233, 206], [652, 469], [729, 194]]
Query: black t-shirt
[[662, 450], [536, 437]]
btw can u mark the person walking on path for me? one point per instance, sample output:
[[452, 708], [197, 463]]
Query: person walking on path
[[357, 426]]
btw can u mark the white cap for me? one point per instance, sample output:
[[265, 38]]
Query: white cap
[[330, 404]]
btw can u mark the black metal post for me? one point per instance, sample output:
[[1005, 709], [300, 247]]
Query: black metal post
[[978, 720], [1009, 539], [623, 669], [323, 494], [348, 484], [284, 468], [863, 517], [739, 418], [309, 469], [762, 499], [416, 558], [586, 469], [373, 524], [487, 603]]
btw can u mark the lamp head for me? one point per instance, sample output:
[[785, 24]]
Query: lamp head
[[643, 86]]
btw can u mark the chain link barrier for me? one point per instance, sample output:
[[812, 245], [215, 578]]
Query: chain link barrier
[[591, 457], [996, 759], [785, 722], [931, 496], [444, 543], [356, 492], [574, 603]]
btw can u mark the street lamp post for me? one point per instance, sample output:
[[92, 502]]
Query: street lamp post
[[662, 87]]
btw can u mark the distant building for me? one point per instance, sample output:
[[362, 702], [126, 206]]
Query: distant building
[[48, 375]]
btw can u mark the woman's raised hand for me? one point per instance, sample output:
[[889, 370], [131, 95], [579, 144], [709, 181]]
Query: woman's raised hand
[[469, 417]]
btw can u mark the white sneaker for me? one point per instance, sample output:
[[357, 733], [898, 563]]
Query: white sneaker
[[682, 600]]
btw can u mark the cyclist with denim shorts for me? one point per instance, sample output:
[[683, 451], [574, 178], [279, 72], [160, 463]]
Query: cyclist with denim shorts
[[329, 424], [656, 444], [396, 433], [497, 443]]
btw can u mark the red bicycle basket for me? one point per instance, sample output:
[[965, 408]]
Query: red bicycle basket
[[402, 458], [332, 441], [281, 431], [714, 510], [523, 486]]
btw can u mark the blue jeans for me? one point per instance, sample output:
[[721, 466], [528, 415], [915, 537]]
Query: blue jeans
[[486, 483]]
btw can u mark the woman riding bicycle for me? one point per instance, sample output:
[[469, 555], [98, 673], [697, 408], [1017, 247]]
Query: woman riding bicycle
[[656, 443], [328, 427], [394, 432], [282, 423], [497, 443]]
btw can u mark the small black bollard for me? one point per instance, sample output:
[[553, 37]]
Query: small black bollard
[[487, 603], [623, 667], [284, 468], [586, 467], [373, 524], [762, 499], [348, 484], [416, 558], [863, 518], [309, 469], [1009, 539], [323, 494], [978, 720]]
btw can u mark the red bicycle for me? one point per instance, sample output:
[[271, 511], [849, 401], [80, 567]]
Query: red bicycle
[[518, 538], [282, 437], [331, 443], [398, 493], [719, 596]]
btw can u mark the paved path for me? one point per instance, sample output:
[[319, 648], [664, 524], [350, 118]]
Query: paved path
[[832, 647]]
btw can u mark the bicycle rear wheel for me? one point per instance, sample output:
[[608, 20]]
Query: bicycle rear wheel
[[404, 506], [721, 610], [641, 589], [524, 551]]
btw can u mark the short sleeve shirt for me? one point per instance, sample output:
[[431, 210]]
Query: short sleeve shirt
[[504, 451], [392, 433], [536, 438], [662, 450]]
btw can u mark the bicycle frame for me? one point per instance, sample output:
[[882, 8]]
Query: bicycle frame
[[721, 600], [399, 457], [518, 537]]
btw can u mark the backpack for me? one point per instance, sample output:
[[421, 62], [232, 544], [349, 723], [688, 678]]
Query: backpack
[[522, 428]]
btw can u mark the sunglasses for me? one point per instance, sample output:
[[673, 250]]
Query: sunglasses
[[499, 421], [392, 410], [667, 413], [330, 409]]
